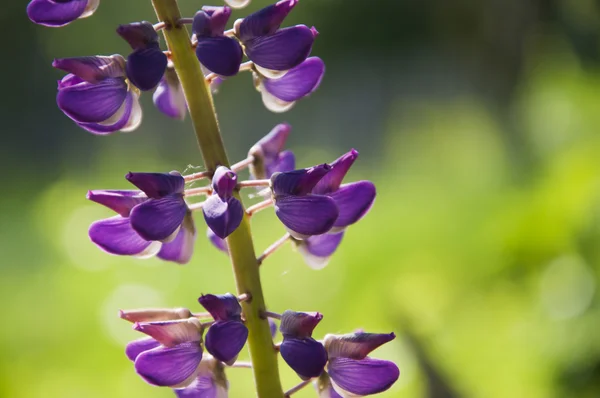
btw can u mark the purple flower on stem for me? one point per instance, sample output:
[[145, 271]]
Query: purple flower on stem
[[210, 382], [170, 357], [56, 13], [147, 63], [317, 249], [280, 95], [222, 211], [302, 213], [96, 96], [268, 154], [352, 372], [220, 244], [299, 350], [226, 337], [168, 97], [271, 49], [215, 51]]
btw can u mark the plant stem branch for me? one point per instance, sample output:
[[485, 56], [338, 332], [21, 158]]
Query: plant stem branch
[[259, 206], [242, 164], [254, 183], [297, 388], [241, 249], [271, 249]]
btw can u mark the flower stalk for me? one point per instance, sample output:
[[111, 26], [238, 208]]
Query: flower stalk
[[241, 249]]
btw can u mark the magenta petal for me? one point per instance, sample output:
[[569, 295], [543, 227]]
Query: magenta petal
[[173, 332], [158, 219], [92, 103], [223, 217], [298, 182], [307, 357], [355, 345], [181, 248], [306, 215], [169, 366], [299, 324], [363, 377], [136, 347], [55, 13], [298, 82], [221, 55], [225, 340], [119, 201], [116, 236], [282, 50], [157, 185], [353, 200], [339, 168]]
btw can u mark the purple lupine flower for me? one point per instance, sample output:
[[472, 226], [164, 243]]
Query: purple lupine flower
[[272, 49], [268, 154], [352, 372], [222, 211], [149, 222], [354, 200], [302, 213], [306, 356], [226, 337], [170, 358], [215, 51], [56, 13], [316, 250], [96, 96], [280, 95], [147, 63], [168, 97], [220, 244], [273, 327], [210, 382]]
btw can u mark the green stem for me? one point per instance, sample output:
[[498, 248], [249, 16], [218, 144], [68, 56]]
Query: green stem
[[245, 266]]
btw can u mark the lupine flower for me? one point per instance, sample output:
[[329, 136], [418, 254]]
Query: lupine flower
[[152, 221], [299, 350], [317, 249], [272, 49], [302, 213], [215, 51], [96, 95], [170, 358], [55, 13], [222, 211], [168, 97], [220, 244], [352, 372], [147, 63], [354, 199], [227, 336], [268, 154], [280, 95], [210, 382]]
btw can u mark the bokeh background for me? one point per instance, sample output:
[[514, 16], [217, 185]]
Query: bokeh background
[[477, 119]]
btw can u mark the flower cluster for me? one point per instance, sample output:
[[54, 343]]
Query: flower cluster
[[173, 354]]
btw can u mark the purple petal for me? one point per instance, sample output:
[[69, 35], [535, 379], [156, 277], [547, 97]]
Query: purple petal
[[172, 333], [181, 248], [127, 118], [55, 13], [273, 143], [304, 216], [211, 21], [224, 182], [273, 327], [324, 387], [223, 217], [317, 249], [225, 340], [157, 185], [298, 182], [265, 21], [221, 55], [298, 82], [169, 366], [217, 242], [92, 103], [159, 219], [203, 386], [362, 377], [119, 201], [145, 67], [169, 97], [136, 347], [283, 50], [339, 168], [355, 345], [353, 201], [139, 35], [155, 314], [222, 307], [116, 236], [286, 161], [92, 69], [299, 324], [307, 357]]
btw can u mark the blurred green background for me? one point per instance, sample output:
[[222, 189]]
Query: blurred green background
[[478, 121]]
